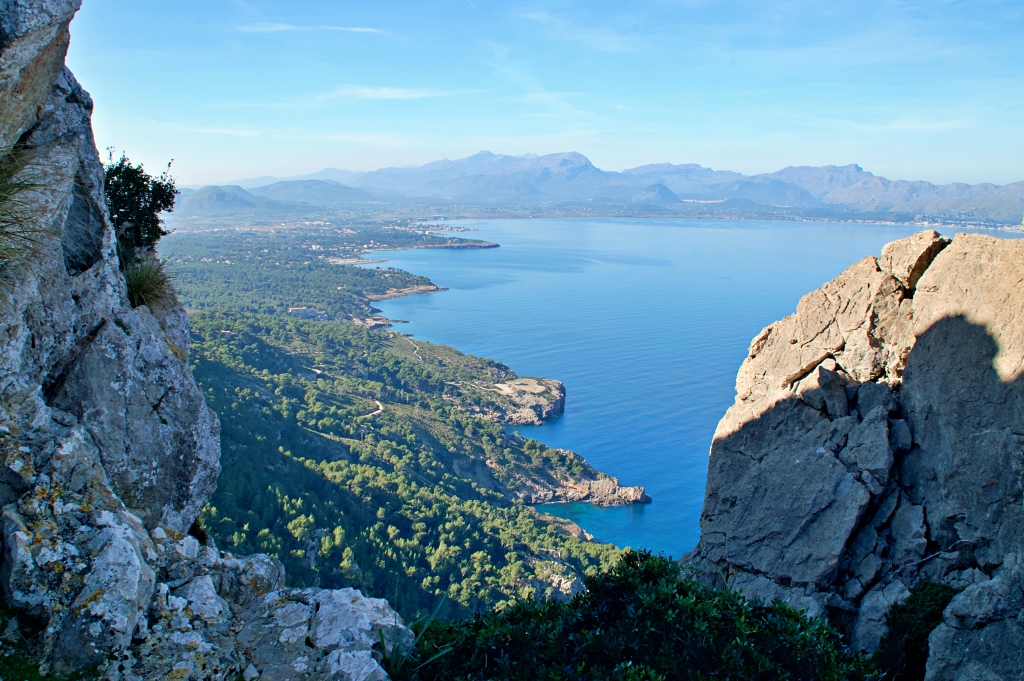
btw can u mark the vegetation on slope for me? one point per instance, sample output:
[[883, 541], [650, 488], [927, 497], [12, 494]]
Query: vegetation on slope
[[903, 652], [353, 456], [273, 270], [639, 621], [345, 461]]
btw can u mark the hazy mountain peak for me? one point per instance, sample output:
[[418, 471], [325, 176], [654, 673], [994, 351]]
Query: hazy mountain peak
[[656, 193]]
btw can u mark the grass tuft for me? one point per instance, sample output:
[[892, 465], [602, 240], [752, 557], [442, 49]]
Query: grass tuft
[[21, 234], [148, 282]]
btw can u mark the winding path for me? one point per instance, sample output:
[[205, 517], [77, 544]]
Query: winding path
[[415, 348]]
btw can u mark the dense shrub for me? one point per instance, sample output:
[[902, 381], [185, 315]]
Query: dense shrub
[[136, 200], [640, 620], [904, 649]]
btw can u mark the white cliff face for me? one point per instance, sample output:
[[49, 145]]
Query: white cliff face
[[108, 451], [877, 440]]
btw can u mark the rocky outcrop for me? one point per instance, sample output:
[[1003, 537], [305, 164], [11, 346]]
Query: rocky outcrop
[[877, 440], [601, 491], [519, 401], [215, 615], [107, 448]]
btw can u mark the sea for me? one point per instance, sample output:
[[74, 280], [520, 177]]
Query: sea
[[646, 322]]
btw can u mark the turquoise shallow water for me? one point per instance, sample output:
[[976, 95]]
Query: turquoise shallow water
[[645, 321]]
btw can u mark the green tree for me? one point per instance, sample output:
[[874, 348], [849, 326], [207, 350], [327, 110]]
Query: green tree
[[135, 200]]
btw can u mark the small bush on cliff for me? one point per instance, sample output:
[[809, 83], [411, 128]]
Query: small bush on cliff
[[148, 282], [903, 652], [135, 200], [640, 621]]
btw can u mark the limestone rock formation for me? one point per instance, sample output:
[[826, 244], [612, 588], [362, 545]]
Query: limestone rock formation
[[603, 491], [107, 448], [877, 440], [520, 401]]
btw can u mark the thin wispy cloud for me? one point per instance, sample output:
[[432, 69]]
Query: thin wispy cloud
[[387, 139], [917, 125], [272, 27], [230, 132], [600, 38], [905, 124], [354, 92], [386, 92], [555, 103]]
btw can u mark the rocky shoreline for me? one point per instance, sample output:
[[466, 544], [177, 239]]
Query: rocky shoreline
[[514, 401], [604, 491], [408, 291]]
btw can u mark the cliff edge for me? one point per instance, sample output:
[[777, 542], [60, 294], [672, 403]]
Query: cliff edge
[[108, 451], [877, 441]]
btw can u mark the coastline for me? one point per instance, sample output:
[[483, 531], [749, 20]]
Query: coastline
[[526, 401]]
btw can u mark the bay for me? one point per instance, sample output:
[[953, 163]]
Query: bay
[[646, 322]]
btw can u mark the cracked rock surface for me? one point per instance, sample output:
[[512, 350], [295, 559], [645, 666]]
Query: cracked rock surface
[[108, 451], [877, 440]]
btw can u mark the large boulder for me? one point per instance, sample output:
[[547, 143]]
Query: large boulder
[[876, 441]]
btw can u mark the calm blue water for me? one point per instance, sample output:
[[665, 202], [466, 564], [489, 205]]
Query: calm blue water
[[645, 321]]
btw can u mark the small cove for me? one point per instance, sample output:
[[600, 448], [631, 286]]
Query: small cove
[[645, 321]]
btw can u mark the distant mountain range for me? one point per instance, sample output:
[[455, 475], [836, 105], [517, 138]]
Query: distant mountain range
[[568, 183]]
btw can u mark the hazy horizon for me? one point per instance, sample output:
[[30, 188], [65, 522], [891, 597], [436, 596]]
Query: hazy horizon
[[248, 180], [233, 89]]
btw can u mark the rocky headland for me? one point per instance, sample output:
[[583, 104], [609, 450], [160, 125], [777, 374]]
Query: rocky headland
[[401, 292], [519, 401], [108, 451], [877, 442]]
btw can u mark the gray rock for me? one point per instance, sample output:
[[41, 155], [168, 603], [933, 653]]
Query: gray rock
[[35, 43], [909, 535], [107, 449], [980, 637], [869, 626], [867, 451], [795, 475], [137, 399], [824, 390], [886, 507], [316, 634], [928, 336], [862, 545], [201, 596], [900, 437], [964, 400], [873, 395], [868, 569]]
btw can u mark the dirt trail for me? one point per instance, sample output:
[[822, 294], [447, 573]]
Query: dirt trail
[[415, 348]]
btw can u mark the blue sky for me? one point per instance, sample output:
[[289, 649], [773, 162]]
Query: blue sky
[[240, 88]]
